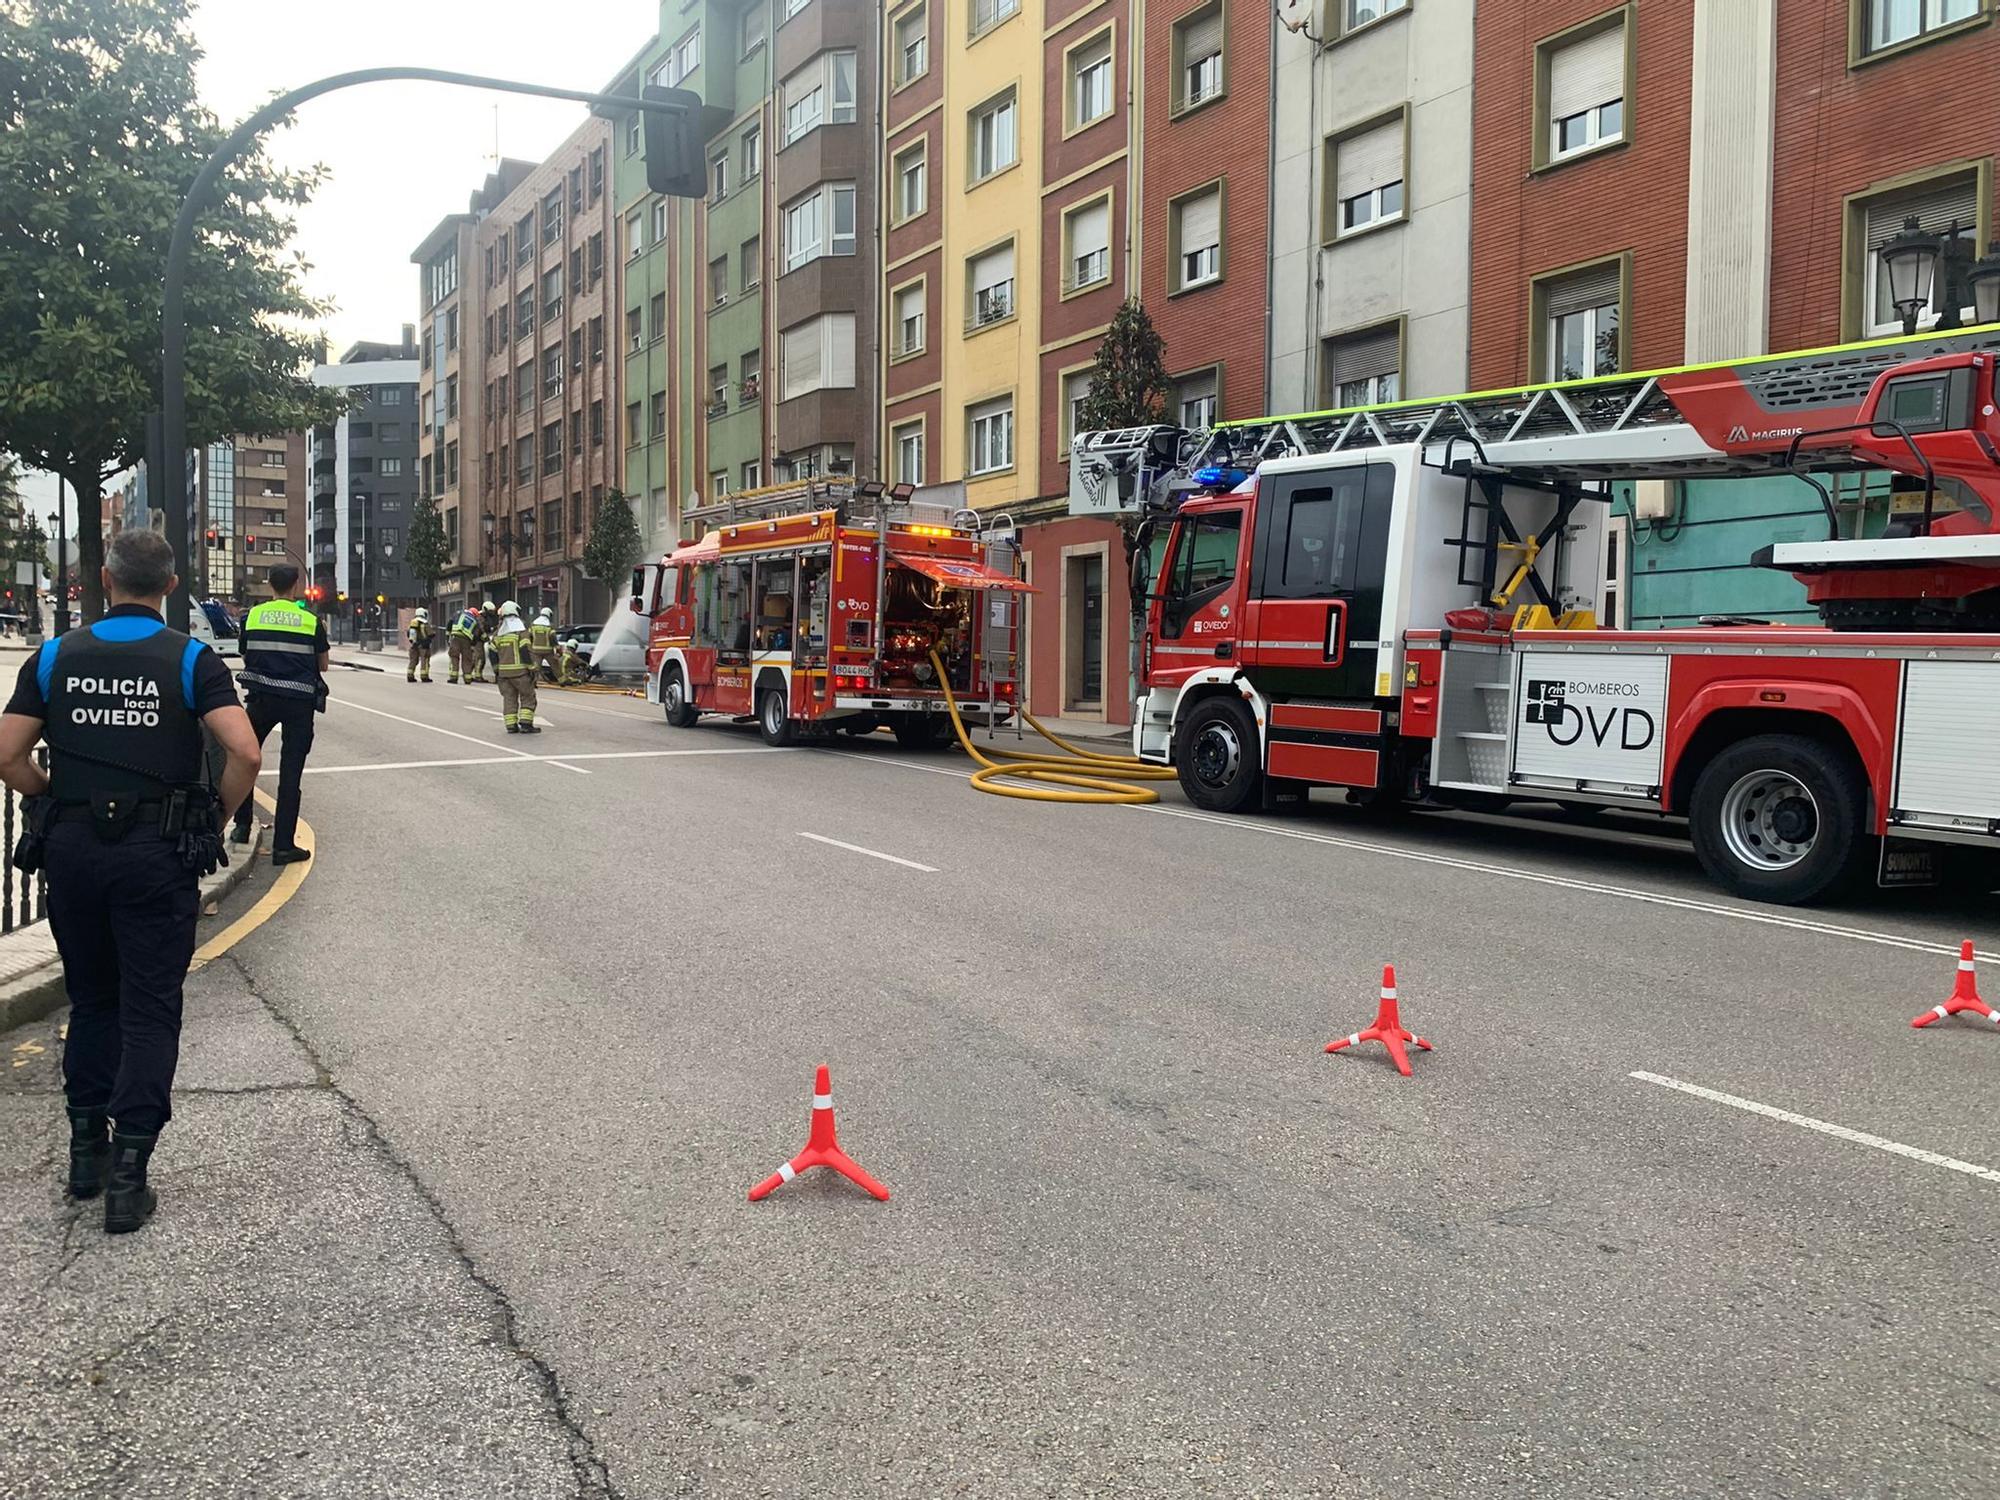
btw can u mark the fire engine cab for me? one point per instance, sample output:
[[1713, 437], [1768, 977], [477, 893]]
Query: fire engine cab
[[1403, 601], [818, 608]]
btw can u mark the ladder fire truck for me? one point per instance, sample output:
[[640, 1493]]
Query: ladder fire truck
[[1403, 601], [818, 607]]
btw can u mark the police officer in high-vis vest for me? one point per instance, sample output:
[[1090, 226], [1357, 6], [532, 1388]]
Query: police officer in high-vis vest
[[125, 824], [285, 650]]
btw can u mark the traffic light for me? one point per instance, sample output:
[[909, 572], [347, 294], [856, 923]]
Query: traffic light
[[674, 163], [381, 598], [342, 599], [250, 542], [211, 536]]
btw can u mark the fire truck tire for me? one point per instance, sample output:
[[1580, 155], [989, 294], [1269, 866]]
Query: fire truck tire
[[774, 717], [680, 713], [1218, 756], [1778, 817]]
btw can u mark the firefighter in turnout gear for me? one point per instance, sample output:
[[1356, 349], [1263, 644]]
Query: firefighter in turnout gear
[[514, 666], [462, 645], [542, 645], [124, 824], [421, 638], [285, 650]]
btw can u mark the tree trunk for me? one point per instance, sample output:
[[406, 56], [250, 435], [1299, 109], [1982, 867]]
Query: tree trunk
[[87, 557]]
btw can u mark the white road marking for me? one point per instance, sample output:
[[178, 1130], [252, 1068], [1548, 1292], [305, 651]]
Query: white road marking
[[526, 760], [819, 838], [1806, 1122], [474, 708], [547, 760], [1767, 917]]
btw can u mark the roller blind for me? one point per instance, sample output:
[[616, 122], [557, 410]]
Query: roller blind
[[1364, 356], [1594, 286], [839, 331], [1935, 208], [1090, 230], [800, 350], [1370, 160], [993, 268], [1201, 221], [1587, 73], [1202, 37]]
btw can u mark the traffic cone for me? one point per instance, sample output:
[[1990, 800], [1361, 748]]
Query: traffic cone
[[1964, 995], [1388, 1028], [822, 1150]]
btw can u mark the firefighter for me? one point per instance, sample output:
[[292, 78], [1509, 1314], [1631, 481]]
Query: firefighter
[[542, 645], [514, 668], [420, 637], [462, 643], [486, 625]]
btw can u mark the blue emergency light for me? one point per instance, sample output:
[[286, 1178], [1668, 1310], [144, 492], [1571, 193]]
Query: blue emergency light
[[1216, 476]]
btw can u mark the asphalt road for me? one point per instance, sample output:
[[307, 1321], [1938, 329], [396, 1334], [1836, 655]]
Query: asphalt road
[[547, 1008]]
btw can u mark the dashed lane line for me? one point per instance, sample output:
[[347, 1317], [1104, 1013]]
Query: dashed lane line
[[894, 859], [527, 760], [453, 733]]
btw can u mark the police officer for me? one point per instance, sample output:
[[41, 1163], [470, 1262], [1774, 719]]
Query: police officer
[[420, 636], [515, 668], [125, 831], [542, 645], [285, 650]]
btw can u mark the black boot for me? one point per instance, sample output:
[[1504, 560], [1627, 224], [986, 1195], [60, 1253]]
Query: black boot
[[89, 1151], [128, 1202]]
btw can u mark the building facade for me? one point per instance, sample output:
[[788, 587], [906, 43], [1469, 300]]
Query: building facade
[[252, 501], [364, 486]]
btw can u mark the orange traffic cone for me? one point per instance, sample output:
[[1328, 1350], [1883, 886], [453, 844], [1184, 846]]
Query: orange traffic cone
[[822, 1150], [1964, 995], [1388, 1028]]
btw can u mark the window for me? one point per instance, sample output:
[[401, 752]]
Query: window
[[909, 444], [656, 318], [991, 425], [753, 28], [1578, 313], [552, 217], [524, 314], [596, 258], [912, 169], [551, 522], [1087, 245], [718, 281], [596, 174], [656, 415], [793, 7], [817, 355], [1583, 77], [1358, 13], [753, 152], [686, 58], [820, 93], [450, 468], [718, 484], [989, 281], [986, 14], [597, 340], [491, 268], [1367, 176], [1195, 398], [907, 333], [552, 372], [392, 396], [992, 137], [524, 238], [718, 390], [597, 424], [750, 262], [633, 134], [576, 434], [635, 336], [575, 191], [913, 58], [388, 432], [752, 368], [524, 461], [1890, 23], [1946, 206], [576, 348], [821, 223], [1198, 57], [753, 474], [632, 425], [1075, 391], [552, 294], [635, 234], [1362, 369], [524, 388], [390, 468], [718, 177], [451, 329], [1196, 225], [443, 278], [576, 270], [498, 403], [450, 400], [1090, 82], [659, 221]]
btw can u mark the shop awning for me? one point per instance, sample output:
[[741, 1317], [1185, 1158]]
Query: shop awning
[[958, 573]]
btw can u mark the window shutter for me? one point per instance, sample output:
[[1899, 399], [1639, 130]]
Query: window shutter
[[1370, 160], [1365, 356], [1936, 207], [1201, 221], [1594, 286], [993, 268], [840, 350], [1202, 37], [1090, 230], [1588, 73], [801, 353]]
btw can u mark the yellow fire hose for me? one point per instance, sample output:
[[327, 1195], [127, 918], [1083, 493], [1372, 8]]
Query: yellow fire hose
[[1089, 772]]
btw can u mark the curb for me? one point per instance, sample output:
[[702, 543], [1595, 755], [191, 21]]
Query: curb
[[36, 995]]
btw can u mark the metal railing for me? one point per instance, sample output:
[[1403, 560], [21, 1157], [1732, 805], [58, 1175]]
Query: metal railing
[[24, 899]]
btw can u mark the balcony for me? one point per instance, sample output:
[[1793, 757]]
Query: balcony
[[994, 304]]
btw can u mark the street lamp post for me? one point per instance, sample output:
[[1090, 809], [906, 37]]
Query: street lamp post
[[1919, 263], [62, 559]]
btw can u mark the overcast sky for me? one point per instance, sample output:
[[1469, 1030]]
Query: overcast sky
[[401, 156]]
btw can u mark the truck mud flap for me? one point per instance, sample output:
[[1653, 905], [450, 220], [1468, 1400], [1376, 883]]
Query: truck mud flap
[[1909, 862]]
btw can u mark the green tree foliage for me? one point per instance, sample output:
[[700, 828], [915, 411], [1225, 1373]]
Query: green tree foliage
[[101, 134], [22, 536], [1128, 384], [426, 554], [614, 544]]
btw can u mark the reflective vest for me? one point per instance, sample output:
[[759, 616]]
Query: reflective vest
[[511, 646], [281, 650], [466, 624], [420, 632], [121, 690], [542, 639]]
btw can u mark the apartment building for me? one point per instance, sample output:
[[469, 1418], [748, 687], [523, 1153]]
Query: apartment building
[[251, 515], [365, 483], [544, 391], [450, 469]]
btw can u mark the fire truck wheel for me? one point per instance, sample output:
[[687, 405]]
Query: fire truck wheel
[[1218, 757], [674, 699], [1778, 818], [774, 717]]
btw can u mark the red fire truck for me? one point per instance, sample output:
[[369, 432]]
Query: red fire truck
[[1405, 601], [825, 618]]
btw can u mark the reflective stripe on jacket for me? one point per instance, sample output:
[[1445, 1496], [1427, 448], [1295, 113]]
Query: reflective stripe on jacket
[[511, 646]]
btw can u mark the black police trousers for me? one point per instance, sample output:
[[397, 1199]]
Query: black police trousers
[[123, 915], [269, 711]]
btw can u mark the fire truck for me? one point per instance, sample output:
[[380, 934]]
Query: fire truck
[[817, 608], [1404, 601]]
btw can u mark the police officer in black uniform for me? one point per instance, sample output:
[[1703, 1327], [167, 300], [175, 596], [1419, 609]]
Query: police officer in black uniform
[[125, 826], [285, 650]]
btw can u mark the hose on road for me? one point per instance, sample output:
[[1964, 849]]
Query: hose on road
[[1078, 776]]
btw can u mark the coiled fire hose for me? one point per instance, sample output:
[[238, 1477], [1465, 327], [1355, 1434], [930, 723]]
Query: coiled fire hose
[[1080, 775]]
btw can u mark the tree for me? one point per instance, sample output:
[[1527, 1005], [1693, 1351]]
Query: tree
[[1128, 383], [101, 134], [22, 538], [425, 554], [614, 544]]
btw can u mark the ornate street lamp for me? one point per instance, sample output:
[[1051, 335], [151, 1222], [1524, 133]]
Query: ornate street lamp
[[1983, 279], [1910, 261]]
